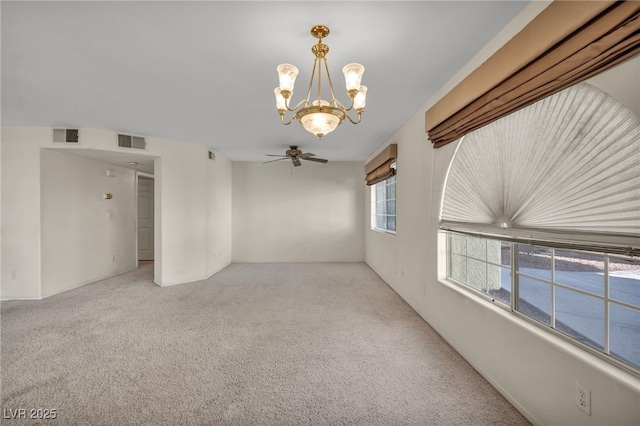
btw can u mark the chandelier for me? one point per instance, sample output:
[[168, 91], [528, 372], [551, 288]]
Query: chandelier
[[319, 116]]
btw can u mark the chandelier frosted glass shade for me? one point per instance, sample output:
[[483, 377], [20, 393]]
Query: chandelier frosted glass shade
[[353, 77], [361, 99], [287, 74], [281, 102], [319, 116]]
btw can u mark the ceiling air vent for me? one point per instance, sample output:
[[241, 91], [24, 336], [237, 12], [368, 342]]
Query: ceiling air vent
[[66, 136], [128, 141]]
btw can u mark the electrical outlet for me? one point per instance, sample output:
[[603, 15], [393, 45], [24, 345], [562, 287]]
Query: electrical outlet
[[583, 398]]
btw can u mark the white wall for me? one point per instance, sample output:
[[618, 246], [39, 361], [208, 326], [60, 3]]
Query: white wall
[[218, 214], [312, 213], [191, 213], [21, 213], [623, 83], [536, 371], [0, 220], [79, 239], [182, 181]]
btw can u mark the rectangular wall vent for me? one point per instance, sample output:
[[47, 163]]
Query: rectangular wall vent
[[212, 155], [128, 141], [66, 136]]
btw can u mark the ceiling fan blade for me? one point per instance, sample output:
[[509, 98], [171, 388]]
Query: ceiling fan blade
[[275, 155], [271, 161], [296, 162], [308, 154], [317, 160]]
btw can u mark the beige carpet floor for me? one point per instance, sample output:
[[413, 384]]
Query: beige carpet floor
[[257, 344]]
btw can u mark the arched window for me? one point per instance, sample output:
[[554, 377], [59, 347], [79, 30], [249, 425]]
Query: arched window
[[543, 213]]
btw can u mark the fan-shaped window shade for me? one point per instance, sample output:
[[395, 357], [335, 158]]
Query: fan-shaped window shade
[[568, 164]]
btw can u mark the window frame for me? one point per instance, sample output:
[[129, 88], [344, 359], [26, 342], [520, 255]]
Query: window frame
[[374, 205], [511, 307]]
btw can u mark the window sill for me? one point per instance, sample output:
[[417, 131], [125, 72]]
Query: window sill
[[596, 359], [383, 231]]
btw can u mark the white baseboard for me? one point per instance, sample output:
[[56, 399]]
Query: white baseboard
[[10, 298], [170, 284]]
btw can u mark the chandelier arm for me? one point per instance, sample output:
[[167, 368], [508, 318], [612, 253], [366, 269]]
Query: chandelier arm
[[286, 123], [342, 105], [294, 109], [351, 120], [333, 96], [313, 73]]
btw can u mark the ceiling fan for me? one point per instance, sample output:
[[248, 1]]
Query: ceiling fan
[[296, 155]]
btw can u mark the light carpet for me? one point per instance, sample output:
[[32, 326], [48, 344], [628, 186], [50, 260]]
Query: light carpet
[[267, 344]]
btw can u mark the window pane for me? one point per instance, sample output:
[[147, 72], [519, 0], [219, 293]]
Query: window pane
[[580, 270], [392, 179], [458, 243], [493, 251], [381, 207], [494, 278], [391, 223], [477, 248], [503, 293], [580, 316], [624, 281], [534, 299], [624, 334], [477, 274], [534, 261], [381, 222], [459, 268], [391, 191], [506, 254], [391, 207]]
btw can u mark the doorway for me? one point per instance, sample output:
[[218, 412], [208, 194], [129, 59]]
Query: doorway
[[145, 219]]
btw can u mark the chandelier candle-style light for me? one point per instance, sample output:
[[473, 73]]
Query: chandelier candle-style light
[[319, 116]]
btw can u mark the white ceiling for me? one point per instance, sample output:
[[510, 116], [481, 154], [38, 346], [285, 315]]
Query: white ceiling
[[204, 72]]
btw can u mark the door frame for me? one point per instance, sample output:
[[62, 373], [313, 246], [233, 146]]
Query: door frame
[[138, 176]]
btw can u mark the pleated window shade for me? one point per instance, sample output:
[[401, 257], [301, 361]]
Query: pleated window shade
[[380, 168], [566, 168], [568, 42]]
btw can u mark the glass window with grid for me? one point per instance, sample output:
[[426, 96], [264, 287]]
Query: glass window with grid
[[590, 298], [384, 194]]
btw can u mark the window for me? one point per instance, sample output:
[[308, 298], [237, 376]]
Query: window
[[541, 210], [590, 298], [482, 264], [383, 195]]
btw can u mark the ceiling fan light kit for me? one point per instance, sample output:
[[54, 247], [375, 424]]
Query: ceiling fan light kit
[[319, 116]]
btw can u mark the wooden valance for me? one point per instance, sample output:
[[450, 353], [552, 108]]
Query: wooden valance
[[379, 168], [568, 42]]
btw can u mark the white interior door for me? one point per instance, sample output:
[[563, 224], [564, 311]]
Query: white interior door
[[145, 218]]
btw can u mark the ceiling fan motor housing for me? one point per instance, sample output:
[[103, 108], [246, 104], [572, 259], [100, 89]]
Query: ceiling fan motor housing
[[293, 151]]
